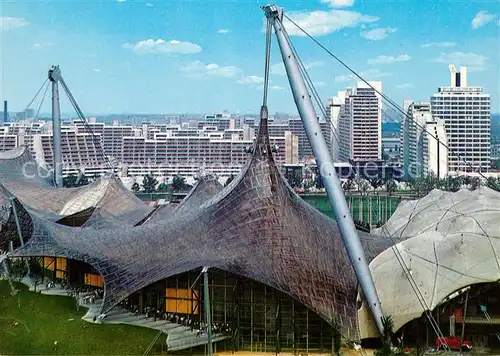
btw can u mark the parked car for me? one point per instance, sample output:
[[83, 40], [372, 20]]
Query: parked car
[[454, 343]]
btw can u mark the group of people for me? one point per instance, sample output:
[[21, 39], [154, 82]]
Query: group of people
[[175, 318], [86, 295], [217, 327], [91, 297]]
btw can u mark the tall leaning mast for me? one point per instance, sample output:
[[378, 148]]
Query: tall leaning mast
[[55, 78], [274, 15]]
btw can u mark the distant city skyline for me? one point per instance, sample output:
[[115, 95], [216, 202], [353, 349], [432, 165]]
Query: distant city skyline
[[125, 57]]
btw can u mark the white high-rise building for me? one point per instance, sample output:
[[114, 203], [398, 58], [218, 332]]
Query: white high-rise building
[[466, 113], [333, 111], [423, 142], [360, 123]]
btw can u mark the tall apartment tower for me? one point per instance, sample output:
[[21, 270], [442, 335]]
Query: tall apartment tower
[[423, 142], [360, 123], [333, 111], [466, 113]]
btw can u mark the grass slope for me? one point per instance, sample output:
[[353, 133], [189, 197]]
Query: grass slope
[[43, 319]]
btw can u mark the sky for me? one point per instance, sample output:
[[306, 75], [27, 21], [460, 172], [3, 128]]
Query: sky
[[201, 56]]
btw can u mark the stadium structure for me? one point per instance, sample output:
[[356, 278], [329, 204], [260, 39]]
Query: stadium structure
[[269, 251], [277, 274]]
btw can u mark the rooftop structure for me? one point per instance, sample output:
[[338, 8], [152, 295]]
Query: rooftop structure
[[255, 227], [449, 241]]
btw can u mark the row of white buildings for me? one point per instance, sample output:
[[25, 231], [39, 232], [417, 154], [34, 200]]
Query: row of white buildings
[[451, 133], [218, 144]]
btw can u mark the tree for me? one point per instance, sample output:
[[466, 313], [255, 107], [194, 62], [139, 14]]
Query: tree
[[294, 178], [82, 179], [136, 187], [428, 183], [475, 183], [162, 187], [362, 184], [178, 183], [149, 183], [451, 184], [493, 183], [423, 185], [386, 338], [376, 182], [348, 185], [229, 180], [318, 182], [72, 180], [391, 186]]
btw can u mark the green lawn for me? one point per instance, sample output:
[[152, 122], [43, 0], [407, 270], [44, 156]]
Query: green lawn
[[43, 319], [381, 207]]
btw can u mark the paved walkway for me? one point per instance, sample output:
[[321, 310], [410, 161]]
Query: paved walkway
[[179, 337]]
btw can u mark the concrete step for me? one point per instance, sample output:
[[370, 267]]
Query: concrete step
[[155, 324], [125, 319], [192, 341], [180, 334]]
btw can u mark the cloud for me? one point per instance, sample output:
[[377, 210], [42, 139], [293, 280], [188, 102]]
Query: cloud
[[279, 68], [377, 34], [404, 86], [223, 31], [276, 87], [150, 4], [313, 64], [319, 84], [370, 74], [338, 3], [389, 59], [161, 46], [482, 18], [438, 44], [121, 0], [97, 70], [40, 46], [251, 79], [12, 23], [200, 70], [475, 62], [320, 23]]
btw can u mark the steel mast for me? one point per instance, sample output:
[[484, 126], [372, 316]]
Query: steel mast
[[55, 77], [326, 168]]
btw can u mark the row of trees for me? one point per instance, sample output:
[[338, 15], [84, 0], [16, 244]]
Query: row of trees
[[424, 185], [74, 180], [418, 186], [363, 185], [150, 185]]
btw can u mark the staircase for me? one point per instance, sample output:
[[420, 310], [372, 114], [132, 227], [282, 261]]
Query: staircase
[[179, 337]]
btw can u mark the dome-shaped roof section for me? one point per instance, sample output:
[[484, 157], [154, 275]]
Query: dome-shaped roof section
[[206, 187], [450, 240], [111, 197], [32, 185], [18, 165]]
